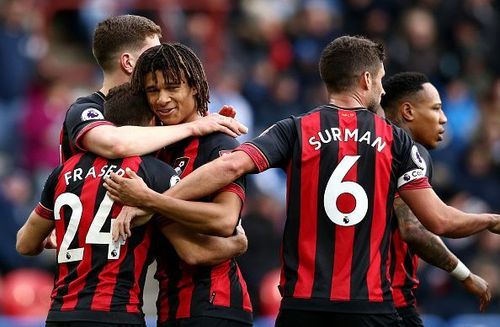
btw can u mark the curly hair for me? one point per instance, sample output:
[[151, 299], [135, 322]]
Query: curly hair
[[176, 61]]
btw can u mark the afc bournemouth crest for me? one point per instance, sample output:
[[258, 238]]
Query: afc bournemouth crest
[[180, 164]]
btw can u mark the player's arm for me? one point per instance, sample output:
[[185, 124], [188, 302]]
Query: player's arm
[[200, 249], [203, 181], [445, 220], [432, 249], [32, 236], [117, 142]]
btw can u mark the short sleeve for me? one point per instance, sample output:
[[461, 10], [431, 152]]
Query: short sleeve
[[273, 147], [45, 208], [412, 171], [81, 118]]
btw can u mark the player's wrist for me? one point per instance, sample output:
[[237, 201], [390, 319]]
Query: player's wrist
[[461, 272]]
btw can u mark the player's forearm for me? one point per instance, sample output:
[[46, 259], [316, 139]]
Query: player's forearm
[[27, 246], [425, 244], [202, 217], [125, 141], [216, 250]]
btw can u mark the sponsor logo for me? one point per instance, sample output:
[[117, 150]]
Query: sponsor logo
[[91, 114], [406, 177]]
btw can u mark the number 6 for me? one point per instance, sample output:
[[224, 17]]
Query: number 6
[[335, 187]]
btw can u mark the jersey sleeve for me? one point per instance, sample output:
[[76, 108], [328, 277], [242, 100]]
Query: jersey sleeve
[[45, 208], [273, 147], [80, 119], [412, 169], [225, 144]]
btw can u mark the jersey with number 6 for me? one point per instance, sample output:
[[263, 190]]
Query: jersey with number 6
[[343, 168], [97, 279]]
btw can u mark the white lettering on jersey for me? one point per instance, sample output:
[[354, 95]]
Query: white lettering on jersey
[[336, 134]]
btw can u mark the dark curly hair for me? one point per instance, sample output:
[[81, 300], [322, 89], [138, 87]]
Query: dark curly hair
[[175, 61]]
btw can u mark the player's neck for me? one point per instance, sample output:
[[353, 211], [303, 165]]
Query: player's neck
[[346, 101], [113, 79]]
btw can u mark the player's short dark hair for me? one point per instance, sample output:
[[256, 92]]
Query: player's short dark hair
[[346, 58], [120, 33], [124, 107], [175, 61], [401, 86]]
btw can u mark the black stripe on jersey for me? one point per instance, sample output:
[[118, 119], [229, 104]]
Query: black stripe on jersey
[[325, 234], [236, 294], [75, 188], [99, 253], [201, 290], [407, 288], [362, 232], [292, 223]]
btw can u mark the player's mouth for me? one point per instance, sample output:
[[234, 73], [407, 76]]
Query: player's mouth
[[165, 112], [440, 135]]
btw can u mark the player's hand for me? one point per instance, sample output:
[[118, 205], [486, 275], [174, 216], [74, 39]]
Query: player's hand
[[241, 240], [122, 224], [495, 226], [131, 191], [51, 241], [479, 288], [218, 123]]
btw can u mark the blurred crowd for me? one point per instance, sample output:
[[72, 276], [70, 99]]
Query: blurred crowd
[[261, 57]]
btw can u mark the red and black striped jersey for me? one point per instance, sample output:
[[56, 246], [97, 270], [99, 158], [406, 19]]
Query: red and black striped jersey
[[97, 279], [193, 291], [343, 168], [83, 115], [404, 263]]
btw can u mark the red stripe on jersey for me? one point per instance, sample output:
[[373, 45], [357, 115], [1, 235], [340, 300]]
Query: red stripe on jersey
[[162, 304], [310, 125], [60, 229], [44, 212], [383, 168], [220, 287], [105, 288], [191, 152], [87, 196], [186, 287], [85, 130], [344, 236], [140, 256], [399, 278], [247, 304], [258, 158]]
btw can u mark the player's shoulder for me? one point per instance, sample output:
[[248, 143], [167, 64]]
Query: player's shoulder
[[92, 105], [218, 139]]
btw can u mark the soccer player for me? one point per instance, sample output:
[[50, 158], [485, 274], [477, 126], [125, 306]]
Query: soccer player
[[413, 103], [174, 81], [99, 282], [344, 164], [117, 44]]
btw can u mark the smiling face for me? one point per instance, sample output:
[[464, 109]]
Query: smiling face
[[427, 126], [172, 103]]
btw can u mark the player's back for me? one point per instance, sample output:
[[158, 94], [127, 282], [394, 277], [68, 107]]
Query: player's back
[[343, 167], [98, 279]]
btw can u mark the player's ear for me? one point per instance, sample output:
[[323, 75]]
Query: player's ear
[[407, 112], [127, 63], [365, 80]]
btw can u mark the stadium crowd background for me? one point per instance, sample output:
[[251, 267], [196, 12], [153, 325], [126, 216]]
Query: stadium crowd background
[[261, 57]]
